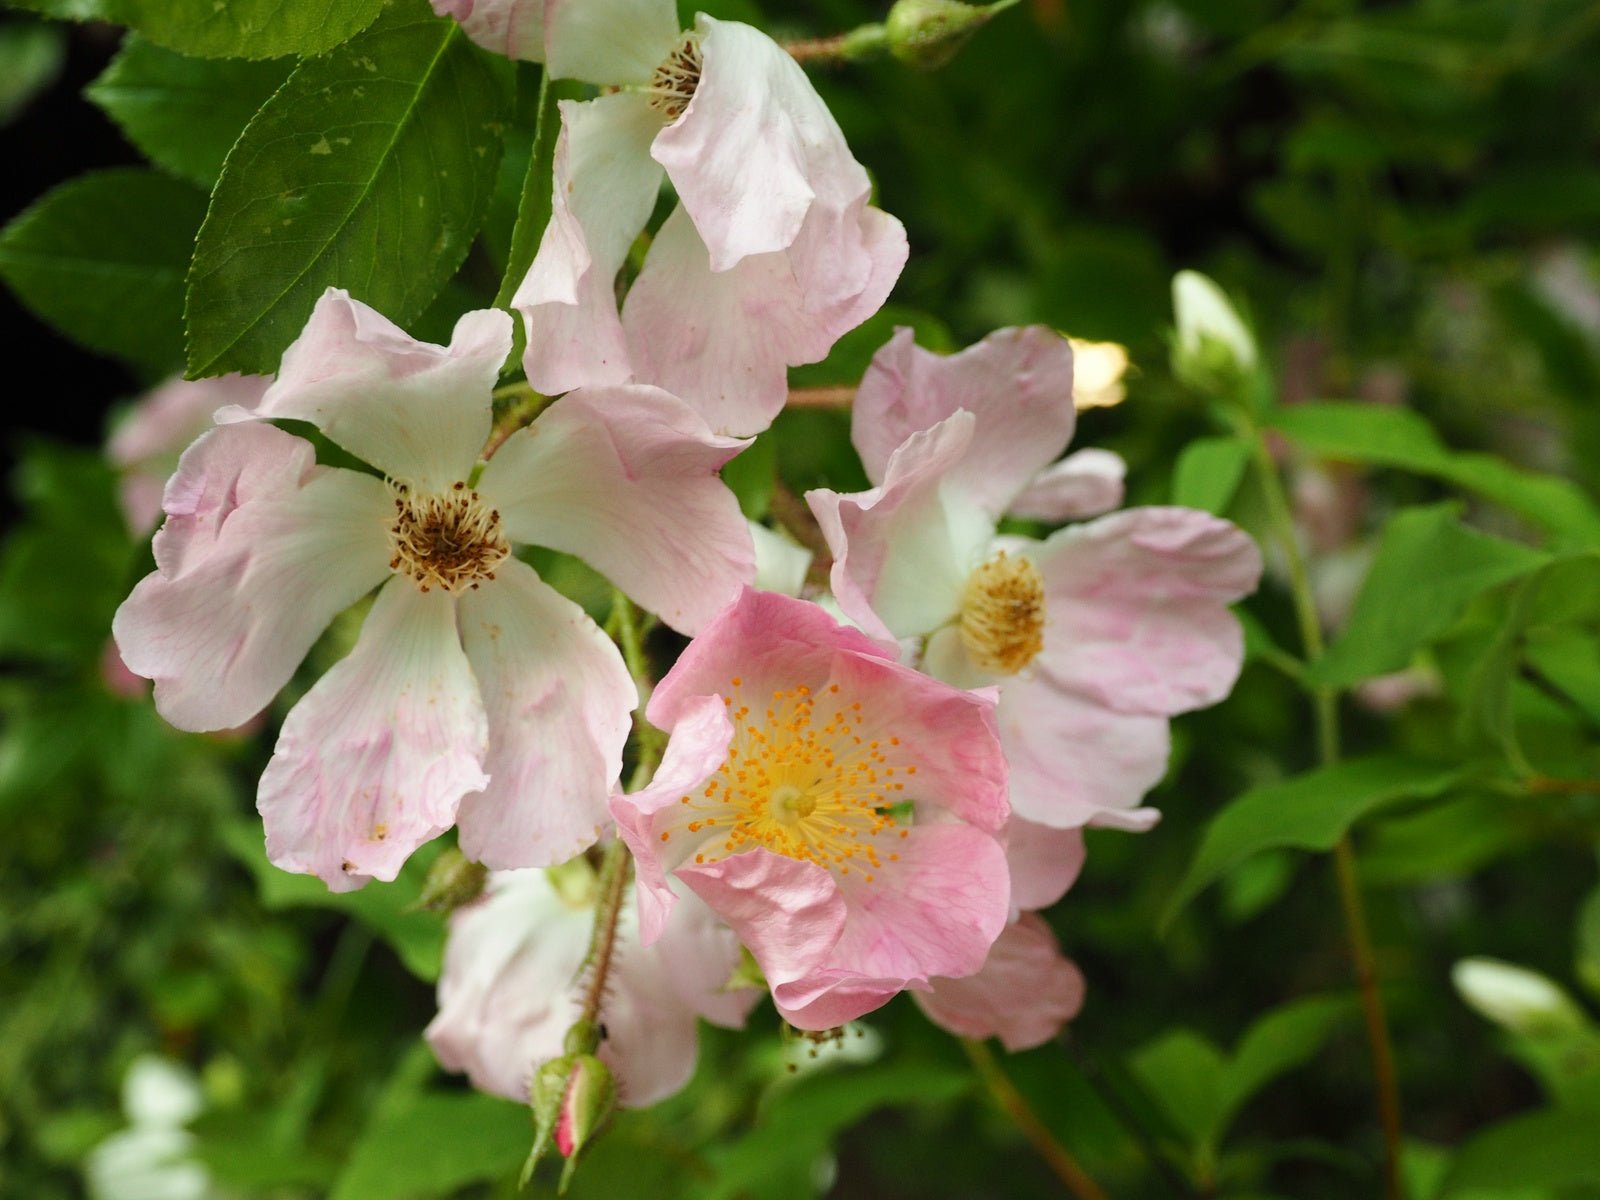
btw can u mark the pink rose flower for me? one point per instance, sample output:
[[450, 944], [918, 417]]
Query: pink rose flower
[[1094, 636], [773, 251], [512, 978], [476, 695], [840, 811]]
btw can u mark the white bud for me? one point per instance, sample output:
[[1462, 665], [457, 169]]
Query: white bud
[[1516, 998], [1213, 342]]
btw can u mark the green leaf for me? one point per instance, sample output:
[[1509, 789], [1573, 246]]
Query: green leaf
[[30, 60], [385, 908], [1399, 437], [1427, 569], [1184, 1071], [68, 10], [102, 259], [752, 474], [246, 28], [847, 362], [1308, 812], [1569, 658], [370, 170], [1208, 473], [1586, 935], [433, 1143], [184, 114], [1279, 1042], [1551, 1148]]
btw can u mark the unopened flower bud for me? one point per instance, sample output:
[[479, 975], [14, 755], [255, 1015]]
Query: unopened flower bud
[[1520, 1000], [929, 33], [572, 1097], [453, 880], [1214, 349]]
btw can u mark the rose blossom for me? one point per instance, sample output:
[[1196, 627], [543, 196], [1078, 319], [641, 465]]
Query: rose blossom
[[476, 694]]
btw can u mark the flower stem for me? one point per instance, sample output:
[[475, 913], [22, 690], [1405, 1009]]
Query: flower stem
[[1324, 701], [1015, 1105], [863, 42], [615, 868]]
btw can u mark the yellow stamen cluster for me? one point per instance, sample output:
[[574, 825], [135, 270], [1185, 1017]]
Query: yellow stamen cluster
[[675, 81], [1002, 614], [802, 780], [446, 540]]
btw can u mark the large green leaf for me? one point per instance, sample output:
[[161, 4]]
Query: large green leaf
[[184, 113], [1208, 473], [246, 28], [370, 170], [432, 1143], [1399, 437], [1309, 812], [102, 259], [1555, 1147], [1428, 568]]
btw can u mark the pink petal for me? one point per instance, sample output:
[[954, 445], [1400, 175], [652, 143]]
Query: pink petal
[[605, 187], [903, 550], [1074, 762], [696, 751], [1016, 382], [790, 915], [756, 149], [609, 41], [514, 28], [558, 698], [1044, 862], [1136, 608], [626, 478], [723, 341], [375, 758], [1084, 484], [418, 412], [261, 549], [1025, 993]]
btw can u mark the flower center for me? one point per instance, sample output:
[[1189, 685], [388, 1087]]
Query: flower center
[[673, 85], [447, 540], [1002, 614], [801, 780]]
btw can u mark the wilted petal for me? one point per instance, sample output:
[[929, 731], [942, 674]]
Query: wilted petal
[[1025, 993], [1016, 382], [902, 551], [1136, 608], [261, 549], [558, 697], [604, 189], [418, 412], [1085, 484], [375, 758], [724, 341], [626, 478], [608, 41]]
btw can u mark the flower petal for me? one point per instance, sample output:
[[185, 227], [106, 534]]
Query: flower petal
[[1074, 762], [261, 549], [1081, 485], [608, 41], [375, 758], [418, 412], [514, 28], [723, 341], [1136, 608], [558, 697], [756, 147], [604, 189], [1044, 862], [903, 550], [1016, 382], [626, 478], [1025, 993]]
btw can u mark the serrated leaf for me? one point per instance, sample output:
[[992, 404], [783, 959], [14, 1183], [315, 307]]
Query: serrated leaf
[[102, 259], [1208, 473], [1427, 569], [184, 114], [1308, 812], [370, 170], [246, 28], [1399, 437]]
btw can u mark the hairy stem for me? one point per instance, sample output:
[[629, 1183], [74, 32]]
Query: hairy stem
[[1015, 1105], [1325, 707], [615, 868]]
